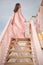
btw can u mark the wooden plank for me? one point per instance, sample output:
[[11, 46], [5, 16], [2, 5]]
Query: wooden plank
[[26, 46], [14, 42], [12, 56], [19, 63], [21, 39], [20, 51], [12, 45]]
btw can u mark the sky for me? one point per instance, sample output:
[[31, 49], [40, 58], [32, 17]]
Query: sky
[[29, 8]]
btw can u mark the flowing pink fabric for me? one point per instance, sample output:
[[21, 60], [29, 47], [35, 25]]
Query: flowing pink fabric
[[18, 25]]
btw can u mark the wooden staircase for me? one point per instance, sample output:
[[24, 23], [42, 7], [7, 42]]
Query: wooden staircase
[[24, 51], [20, 52]]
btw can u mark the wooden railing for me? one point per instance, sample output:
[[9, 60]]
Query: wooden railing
[[36, 45], [5, 42]]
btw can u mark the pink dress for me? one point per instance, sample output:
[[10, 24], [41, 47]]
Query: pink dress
[[18, 25]]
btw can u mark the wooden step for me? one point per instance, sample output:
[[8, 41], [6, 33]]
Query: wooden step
[[19, 63], [18, 57], [20, 51], [20, 45], [21, 39], [14, 49]]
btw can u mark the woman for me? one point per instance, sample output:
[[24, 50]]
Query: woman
[[18, 22]]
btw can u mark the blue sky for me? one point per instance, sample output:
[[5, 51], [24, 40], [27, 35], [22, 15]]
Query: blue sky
[[29, 8]]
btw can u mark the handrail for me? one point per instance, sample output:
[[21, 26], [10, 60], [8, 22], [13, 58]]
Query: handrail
[[5, 29], [5, 42], [36, 44]]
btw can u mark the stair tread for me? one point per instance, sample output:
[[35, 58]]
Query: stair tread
[[20, 51], [19, 63], [21, 39], [12, 56]]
